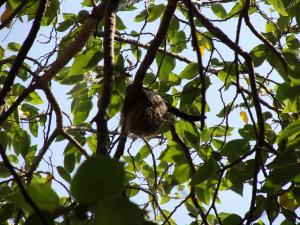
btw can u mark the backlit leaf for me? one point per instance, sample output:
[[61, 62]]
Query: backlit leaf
[[244, 116]]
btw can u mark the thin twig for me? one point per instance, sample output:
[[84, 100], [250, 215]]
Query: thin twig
[[155, 44], [200, 63], [189, 159]]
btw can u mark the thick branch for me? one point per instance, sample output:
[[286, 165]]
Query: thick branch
[[108, 70], [23, 52], [121, 145], [25, 195], [254, 184]]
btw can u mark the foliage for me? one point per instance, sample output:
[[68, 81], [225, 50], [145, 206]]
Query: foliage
[[230, 71]]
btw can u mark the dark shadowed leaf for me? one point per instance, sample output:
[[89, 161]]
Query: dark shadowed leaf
[[128, 213], [235, 148], [97, 179]]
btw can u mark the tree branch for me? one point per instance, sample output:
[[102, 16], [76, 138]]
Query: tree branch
[[59, 121], [40, 155], [23, 52], [13, 14], [254, 184], [189, 159], [155, 43], [261, 37], [200, 63], [252, 78], [73, 48], [147, 46], [108, 70]]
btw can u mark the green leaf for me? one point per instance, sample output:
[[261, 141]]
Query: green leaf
[[34, 219], [115, 104], [6, 212], [232, 219], [259, 54], [13, 46], [98, 179], [69, 162], [81, 109], [85, 61], [51, 12], [128, 213], [156, 12], [272, 209], [278, 6], [190, 71], [248, 132], [173, 28], [204, 172], [4, 172], [64, 25], [219, 10], [119, 24], [290, 130], [142, 153], [166, 64], [21, 142], [42, 194], [3, 139], [188, 132], [142, 15], [281, 176], [287, 90], [2, 51], [190, 93], [34, 127], [34, 98], [288, 157], [92, 142], [64, 173], [173, 154], [235, 148], [297, 15], [181, 174], [178, 43]]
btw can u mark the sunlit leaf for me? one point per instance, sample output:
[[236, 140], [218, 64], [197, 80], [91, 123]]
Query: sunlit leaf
[[219, 11], [278, 6], [291, 129], [244, 116]]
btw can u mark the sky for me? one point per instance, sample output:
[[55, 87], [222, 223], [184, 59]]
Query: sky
[[231, 202]]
